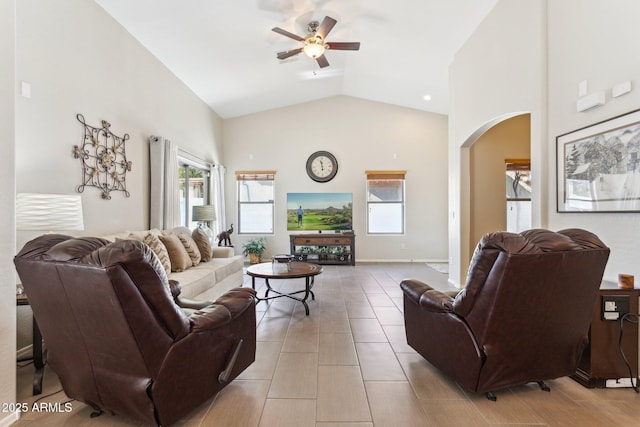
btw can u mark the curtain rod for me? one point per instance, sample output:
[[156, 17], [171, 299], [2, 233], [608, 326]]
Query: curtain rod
[[193, 157]]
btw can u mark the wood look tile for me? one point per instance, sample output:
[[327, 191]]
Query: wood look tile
[[240, 403], [279, 307], [360, 310], [380, 300], [337, 349], [398, 339], [336, 322], [289, 413], [321, 424], [427, 381], [348, 365], [452, 413], [610, 412], [267, 355], [354, 295], [302, 336], [379, 362], [510, 409], [372, 288], [272, 328], [393, 404], [296, 376], [367, 330], [341, 394], [389, 316], [557, 407]]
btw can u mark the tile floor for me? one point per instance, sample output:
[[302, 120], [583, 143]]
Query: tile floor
[[348, 365]]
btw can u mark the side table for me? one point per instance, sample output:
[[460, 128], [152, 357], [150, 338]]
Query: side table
[[39, 358], [601, 359]]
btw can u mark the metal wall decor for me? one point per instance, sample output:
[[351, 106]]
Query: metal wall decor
[[104, 160]]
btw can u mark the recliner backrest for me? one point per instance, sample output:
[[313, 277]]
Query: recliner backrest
[[526, 292], [102, 307]]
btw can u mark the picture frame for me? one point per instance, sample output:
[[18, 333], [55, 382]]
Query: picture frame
[[598, 167]]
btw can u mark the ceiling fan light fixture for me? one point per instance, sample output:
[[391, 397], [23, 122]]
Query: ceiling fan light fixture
[[314, 47]]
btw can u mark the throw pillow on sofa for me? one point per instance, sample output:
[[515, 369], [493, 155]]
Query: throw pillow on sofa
[[178, 255], [151, 240], [191, 247], [160, 250], [202, 241]]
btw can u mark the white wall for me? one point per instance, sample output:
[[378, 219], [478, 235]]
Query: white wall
[[599, 42], [7, 201], [498, 73], [77, 59], [363, 135], [521, 50]]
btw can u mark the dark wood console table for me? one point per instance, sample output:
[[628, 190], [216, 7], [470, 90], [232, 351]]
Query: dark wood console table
[[324, 248], [601, 360]]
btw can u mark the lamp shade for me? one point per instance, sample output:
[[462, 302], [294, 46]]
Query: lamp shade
[[51, 212], [203, 213]]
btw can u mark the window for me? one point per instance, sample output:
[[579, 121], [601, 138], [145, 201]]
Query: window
[[385, 202], [255, 201], [193, 182], [518, 180]]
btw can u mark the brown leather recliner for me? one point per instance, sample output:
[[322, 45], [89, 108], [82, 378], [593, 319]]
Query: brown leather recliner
[[523, 315], [116, 336]]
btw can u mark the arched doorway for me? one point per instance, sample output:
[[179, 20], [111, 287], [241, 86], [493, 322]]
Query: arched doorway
[[508, 139]]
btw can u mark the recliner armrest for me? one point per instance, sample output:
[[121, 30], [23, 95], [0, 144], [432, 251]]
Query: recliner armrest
[[426, 297], [223, 310], [210, 317]]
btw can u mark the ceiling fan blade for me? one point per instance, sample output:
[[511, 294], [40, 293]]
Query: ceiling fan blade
[[344, 45], [287, 34], [322, 61], [326, 26], [288, 53]]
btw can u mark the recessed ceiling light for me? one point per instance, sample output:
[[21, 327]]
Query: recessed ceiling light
[[427, 97]]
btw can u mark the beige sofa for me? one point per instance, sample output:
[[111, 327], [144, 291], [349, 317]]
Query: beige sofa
[[207, 280]]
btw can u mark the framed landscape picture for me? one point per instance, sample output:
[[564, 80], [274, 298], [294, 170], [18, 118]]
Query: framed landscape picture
[[598, 167]]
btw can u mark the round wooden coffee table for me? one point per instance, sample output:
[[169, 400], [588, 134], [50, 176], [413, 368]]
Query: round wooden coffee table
[[296, 270]]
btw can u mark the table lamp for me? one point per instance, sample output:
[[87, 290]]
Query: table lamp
[[203, 215], [48, 212]]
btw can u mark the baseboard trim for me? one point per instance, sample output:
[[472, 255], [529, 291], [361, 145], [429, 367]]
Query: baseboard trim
[[11, 418], [25, 352]]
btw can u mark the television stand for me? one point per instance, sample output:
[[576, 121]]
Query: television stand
[[324, 248]]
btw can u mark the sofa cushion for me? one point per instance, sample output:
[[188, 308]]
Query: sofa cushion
[[222, 252], [194, 280], [191, 247], [202, 240], [224, 267], [178, 255]]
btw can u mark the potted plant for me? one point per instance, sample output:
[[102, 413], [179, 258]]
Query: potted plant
[[254, 248]]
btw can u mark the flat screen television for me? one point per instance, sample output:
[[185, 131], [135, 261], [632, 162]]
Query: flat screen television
[[319, 211]]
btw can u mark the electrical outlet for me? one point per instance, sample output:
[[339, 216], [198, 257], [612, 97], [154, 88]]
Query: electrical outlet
[[614, 306]]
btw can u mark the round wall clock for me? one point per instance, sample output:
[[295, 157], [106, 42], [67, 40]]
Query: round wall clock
[[322, 166]]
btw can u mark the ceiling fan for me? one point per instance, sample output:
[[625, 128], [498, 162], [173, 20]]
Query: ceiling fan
[[315, 42]]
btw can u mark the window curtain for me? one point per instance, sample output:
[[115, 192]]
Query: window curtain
[[217, 185], [164, 203]]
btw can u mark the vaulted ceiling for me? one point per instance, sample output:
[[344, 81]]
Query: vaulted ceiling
[[225, 51]]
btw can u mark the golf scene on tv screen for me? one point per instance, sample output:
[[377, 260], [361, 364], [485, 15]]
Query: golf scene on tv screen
[[319, 211]]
